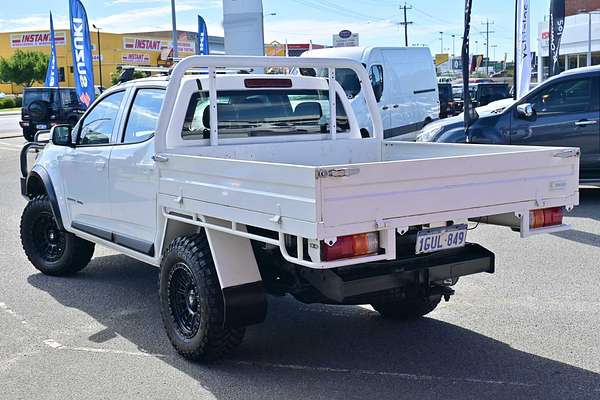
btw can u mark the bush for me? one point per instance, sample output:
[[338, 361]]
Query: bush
[[7, 103], [18, 101]]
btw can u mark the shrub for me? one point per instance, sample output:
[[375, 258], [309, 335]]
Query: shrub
[[7, 103]]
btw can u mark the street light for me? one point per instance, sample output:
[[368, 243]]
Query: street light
[[174, 22], [99, 53]]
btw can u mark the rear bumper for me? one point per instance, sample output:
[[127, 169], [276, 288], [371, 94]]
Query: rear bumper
[[351, 285]]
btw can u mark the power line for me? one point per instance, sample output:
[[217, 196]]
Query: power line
[[405, 23]]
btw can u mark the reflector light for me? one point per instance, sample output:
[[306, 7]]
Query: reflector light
[[254, 83], [545, 217], [351, 246]]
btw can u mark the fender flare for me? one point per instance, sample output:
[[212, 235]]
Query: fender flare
[[39, 173]]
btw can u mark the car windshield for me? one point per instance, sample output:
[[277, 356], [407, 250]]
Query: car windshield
[[346, 78], [269, 112], [32, 95]]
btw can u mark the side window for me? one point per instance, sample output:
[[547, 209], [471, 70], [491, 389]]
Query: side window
[[97, 127], [572, 96], [143, 117], [376, 76]]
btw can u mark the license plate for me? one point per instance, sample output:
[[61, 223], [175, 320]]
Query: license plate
[[41, 126], [436, 239]]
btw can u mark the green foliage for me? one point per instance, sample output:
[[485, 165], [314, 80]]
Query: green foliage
[[18, 101], [24, 68], [7, 103], [114, 76]]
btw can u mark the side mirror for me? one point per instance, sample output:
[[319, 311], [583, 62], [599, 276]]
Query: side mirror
[[61, 135], [525, 111]]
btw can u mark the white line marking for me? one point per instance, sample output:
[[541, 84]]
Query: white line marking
[[55, 345], [383, 373]]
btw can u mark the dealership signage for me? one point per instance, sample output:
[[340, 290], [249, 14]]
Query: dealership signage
[[36, 39], [345, 38], [148, 44], [136, 58]]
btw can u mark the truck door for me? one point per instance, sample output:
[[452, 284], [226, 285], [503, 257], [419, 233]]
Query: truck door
[[133, 176], [84, 168], [567, 115]]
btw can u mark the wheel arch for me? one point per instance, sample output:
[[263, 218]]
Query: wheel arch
[[237, 270], [39, 183]]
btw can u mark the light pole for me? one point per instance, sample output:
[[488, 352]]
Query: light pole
[[174, 22], [453, 48], [441, 42], [99, 53]]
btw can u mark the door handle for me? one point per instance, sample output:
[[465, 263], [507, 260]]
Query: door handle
[[100, 164], [396, 106], [585, 122], [385, 108]]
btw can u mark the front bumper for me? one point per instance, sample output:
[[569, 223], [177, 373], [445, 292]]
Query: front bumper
[[350, 285]]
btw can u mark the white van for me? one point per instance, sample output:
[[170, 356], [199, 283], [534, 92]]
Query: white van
[[404, 82]]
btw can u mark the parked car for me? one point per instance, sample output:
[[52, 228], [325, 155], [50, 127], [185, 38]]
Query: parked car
[[44, 107], [404, 82], [447, 108], [482, 94], [561, 111], [253, 189]]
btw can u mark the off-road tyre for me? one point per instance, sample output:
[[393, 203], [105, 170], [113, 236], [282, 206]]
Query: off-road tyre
[[407, 308], [189, 286], [51, 250]]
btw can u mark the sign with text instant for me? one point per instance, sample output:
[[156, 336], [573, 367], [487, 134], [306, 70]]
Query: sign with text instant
[[157, 45], [82, 53], [135, 58], [36, 39]]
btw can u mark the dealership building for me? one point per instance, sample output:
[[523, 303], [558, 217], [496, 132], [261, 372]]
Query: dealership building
[[115, 49], [575, 37]]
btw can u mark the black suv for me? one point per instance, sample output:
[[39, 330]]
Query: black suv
[[561, 111], [44, 107], [483, 94]]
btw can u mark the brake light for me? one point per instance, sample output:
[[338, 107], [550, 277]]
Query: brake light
[[267, 83], [545, 217], [351, 246]]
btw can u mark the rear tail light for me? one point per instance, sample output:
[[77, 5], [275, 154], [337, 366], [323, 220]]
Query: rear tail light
[[545, 217], [252, 83], [351, 246]]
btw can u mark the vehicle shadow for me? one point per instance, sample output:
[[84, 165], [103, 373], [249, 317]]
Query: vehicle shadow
[[589, 207], [317, 351]]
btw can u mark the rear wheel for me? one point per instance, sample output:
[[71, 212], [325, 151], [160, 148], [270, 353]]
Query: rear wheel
[[51, 250], [191, 301], [405, 308]]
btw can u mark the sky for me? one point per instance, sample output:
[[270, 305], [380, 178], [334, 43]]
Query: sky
[[299, 21]]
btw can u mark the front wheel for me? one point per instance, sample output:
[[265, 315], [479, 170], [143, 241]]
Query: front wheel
[[191, 301], [406, 308], [51, 250]]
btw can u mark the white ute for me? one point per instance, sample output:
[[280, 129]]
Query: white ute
[[282, 196]]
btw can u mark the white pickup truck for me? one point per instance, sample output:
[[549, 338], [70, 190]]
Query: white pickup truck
[[281, 196]]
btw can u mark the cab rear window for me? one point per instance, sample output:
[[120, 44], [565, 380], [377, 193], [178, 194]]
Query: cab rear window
[[267, 112]]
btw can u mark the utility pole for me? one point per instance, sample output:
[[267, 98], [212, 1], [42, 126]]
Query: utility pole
[[487, 24], [99, 55], [441, 42], [453, 52], [405, 23]]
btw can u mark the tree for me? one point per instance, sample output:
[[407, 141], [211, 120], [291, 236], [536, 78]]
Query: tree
[[24, 68]]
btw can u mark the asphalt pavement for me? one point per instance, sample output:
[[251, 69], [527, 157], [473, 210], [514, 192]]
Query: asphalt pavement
[[529, 331], [9, 124]]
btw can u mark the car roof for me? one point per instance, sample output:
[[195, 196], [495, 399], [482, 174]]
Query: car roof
[[581, 70]]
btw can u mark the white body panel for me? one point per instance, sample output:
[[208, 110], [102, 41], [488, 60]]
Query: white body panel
[[410, 92]]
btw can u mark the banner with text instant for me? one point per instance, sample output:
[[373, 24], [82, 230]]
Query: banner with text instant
[[523, 56], [52, 72], [82, 52]]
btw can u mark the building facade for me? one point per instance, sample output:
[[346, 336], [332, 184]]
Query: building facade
[[112, 50]]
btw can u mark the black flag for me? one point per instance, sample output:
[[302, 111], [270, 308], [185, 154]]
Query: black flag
[[557, 25], [468, 106]]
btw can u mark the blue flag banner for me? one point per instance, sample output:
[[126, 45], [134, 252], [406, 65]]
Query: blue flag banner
[[202, 37], [52, 72], [82, 52]]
